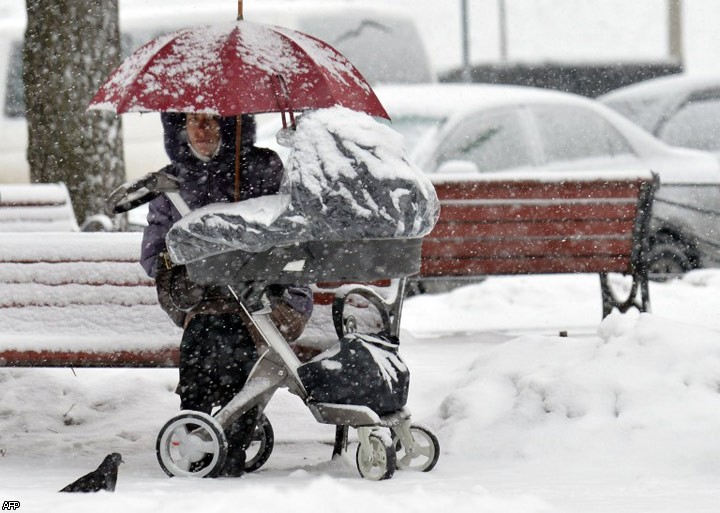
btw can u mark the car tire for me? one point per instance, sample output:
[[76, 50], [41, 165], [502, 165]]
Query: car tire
[[667, 260]]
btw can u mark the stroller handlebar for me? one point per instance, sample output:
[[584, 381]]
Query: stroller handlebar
[[131, 195]]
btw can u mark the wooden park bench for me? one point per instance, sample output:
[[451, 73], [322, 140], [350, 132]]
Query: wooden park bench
[[79, 299], [82, 299], [542, 223]]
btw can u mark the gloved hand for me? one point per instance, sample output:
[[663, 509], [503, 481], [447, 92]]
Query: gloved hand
[[289, 321], [291, 309]]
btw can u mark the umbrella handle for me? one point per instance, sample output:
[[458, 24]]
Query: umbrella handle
[[240, 10], [282, 94]]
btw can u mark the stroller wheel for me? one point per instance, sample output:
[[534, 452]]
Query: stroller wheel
[[423, 452], [191, 444], [376, 460], [261, 445]]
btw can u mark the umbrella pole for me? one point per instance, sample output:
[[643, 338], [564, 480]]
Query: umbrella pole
[[238, 129], [238, 154]]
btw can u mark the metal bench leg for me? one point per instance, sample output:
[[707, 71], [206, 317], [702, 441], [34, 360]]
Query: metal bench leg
[[610, 299], [341, 440]]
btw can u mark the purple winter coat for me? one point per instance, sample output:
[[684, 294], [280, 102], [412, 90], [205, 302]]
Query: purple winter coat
[[202, 183]]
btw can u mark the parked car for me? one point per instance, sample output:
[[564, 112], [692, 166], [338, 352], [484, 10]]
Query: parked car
[[461, 130], [682, 110]]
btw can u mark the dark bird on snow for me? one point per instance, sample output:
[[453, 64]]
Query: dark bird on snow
[[102, 478]]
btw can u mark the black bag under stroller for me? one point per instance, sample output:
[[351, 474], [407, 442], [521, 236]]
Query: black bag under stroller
[[362, 370]]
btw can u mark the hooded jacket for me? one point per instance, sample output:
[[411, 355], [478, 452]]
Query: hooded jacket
[[202, 183]]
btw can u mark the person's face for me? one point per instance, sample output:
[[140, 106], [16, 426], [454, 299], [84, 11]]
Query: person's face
[[203, 133]]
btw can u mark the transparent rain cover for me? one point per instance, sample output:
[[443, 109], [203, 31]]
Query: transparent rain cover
[[347, 179]]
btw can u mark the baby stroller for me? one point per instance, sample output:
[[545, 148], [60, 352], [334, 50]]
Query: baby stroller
[[340, 387]]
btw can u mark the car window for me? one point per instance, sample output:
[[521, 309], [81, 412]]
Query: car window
[[572, 133], [695, 125], [494, 140], [414, 128], [644, 111]]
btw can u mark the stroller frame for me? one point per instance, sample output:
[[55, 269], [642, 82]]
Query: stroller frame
[[191, 437]]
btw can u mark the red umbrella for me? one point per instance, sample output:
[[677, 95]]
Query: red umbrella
[[232, 69], [236, 68]]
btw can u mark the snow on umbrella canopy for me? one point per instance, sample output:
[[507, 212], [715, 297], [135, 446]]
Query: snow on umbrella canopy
[[236, 68]]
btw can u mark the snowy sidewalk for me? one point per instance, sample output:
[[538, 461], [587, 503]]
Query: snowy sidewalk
[[624, 420]]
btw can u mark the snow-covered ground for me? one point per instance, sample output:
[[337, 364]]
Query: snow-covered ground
[[622, 415]]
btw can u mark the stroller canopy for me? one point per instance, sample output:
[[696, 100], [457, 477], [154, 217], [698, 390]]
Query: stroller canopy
[[347, 179]]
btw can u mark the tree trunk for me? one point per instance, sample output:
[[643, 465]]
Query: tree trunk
[[71, 46]]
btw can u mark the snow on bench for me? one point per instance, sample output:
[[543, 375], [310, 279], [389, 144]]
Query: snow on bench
[[80, 299], [36, 208]]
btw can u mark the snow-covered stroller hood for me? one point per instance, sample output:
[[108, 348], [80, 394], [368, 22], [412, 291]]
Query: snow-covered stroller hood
[[347, 179]]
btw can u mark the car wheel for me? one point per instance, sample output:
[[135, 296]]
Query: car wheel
[[667, 260]]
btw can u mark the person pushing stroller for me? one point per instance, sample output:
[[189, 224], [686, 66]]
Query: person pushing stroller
[[217, 350]]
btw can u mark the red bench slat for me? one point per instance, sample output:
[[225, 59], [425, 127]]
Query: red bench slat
[[156, 358], [528, 189], [548, 265], [531, 228], [505, 248], [470, 212]]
